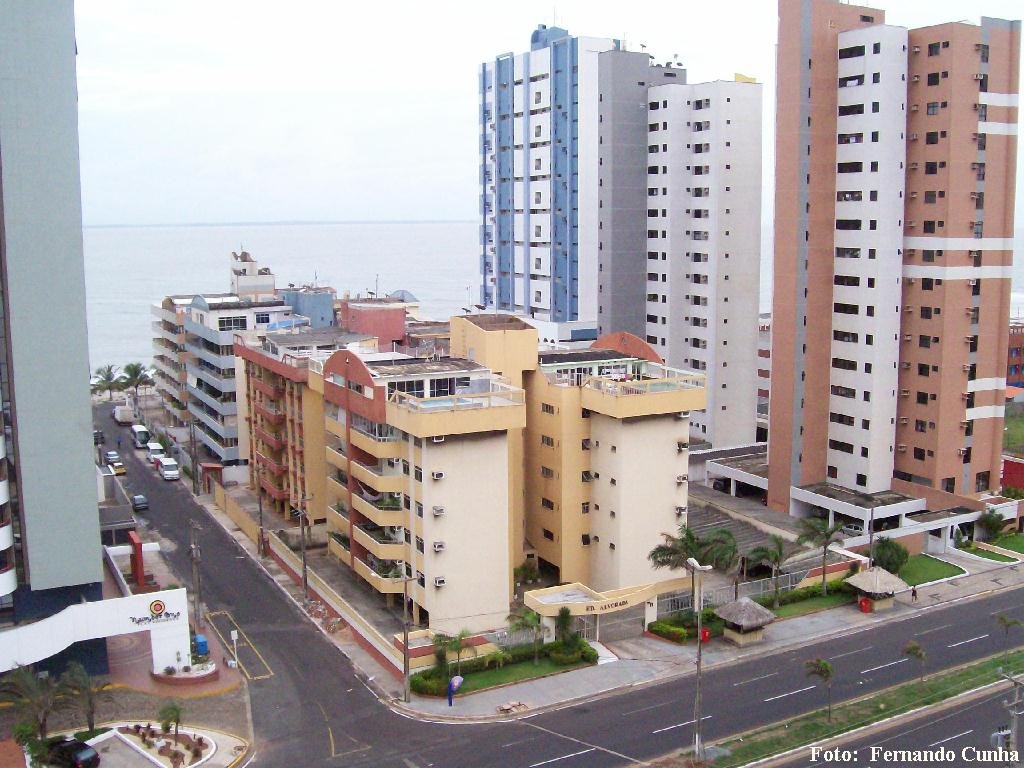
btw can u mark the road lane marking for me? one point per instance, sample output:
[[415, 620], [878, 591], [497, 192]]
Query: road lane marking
[[612, 752], [934, 629], [521, 741], [964, 642], [755, 679], [680, 725], [651, 706], [245, 642], [563, 757], [883, 666], [950, 738], [791, 693], [850, 653]]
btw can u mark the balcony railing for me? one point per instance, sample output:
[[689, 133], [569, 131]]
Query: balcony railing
[[496, 394], [272, 415], [272, 440], [274, 466], [267, 389], [642, 379]]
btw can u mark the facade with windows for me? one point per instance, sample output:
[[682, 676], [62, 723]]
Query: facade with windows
[[1015, 354], [890, 305], [703, 245]]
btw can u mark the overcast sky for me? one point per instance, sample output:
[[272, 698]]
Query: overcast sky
[[270, 111]]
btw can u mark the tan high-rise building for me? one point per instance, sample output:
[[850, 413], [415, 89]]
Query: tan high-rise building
[[895, 169]]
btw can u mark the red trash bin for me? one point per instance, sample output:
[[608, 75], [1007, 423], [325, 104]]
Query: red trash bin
[[865, 605], [705, 634]]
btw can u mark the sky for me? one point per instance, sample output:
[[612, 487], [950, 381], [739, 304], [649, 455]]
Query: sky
[[229, 111]]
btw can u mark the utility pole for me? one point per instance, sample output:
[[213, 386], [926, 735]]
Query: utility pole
[[405, 637], [259, 501], [697, 572], [871, 540], [1014, 708], [196, 555], [302, 544], [192, 455]]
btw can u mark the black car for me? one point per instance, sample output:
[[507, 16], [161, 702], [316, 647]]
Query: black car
[[71, 753], [139, 502], [97, 437]]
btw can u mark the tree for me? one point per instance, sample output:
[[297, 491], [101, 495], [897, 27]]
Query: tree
[[528, 621], [822, 669], [915, 651], [991, 524], [889, 554], [105, 379], [771, 555], [458, 643], [133, 376], [37, 697], [721, 551], [441, 643], [1007, 624], [674, 553], [818, 533], [171, 712], [563, 624], [85, 691]]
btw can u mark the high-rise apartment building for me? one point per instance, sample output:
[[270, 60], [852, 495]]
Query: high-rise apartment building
[[563, 144], [895, 170], [703, 202], [48, 483]]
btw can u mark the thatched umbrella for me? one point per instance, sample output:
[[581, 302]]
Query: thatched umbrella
[[877, 582], [744, 620]]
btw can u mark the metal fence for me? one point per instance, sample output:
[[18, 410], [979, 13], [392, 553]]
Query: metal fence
[[680, 601], [506, 638]]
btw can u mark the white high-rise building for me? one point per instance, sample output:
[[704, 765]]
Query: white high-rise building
[[703, 201]]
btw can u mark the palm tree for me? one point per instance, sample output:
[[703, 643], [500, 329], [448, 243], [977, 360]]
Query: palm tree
[[528, 621], [86, 692], [458, 643], [674, 553], [721, 551], [991, 524], [135, 375], [1007, 624], [563, 624], [818, 533], [171, 712], [771, 555], [822, 669], [37, 697], [105, 379], [915, 651]]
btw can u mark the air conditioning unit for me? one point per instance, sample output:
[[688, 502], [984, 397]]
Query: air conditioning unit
[[437, 439], [969, 339], [437, 475], [964, 424], [979, 76], [909, 309], [682, 416], [961, 451], [439, 546], [682, 478], [911, 280], [902, 448], [965, 395], [908, 337], [905, 365], [914, 166], [680, 511], [438, 511], [916, 78], [975, 195], [912, 137], [977, 107], [904, 420], [913, 194], [917, 49], [904, 393], [440, 581], [911, 224], [681, 446], [972, 282], [914, 107]]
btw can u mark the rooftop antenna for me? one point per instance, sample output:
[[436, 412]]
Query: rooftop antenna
[[376, 285]]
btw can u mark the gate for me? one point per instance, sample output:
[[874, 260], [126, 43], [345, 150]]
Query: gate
[[609, 627], [585, 627]]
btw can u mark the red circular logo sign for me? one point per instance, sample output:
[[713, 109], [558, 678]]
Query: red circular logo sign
[[157, 607]]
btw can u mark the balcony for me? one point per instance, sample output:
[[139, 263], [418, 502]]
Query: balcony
[[336, 458], [387, 584], [337, 517], [382, 479], [651, 389], [269, 439], [379, 542], [338, 546], [275, 467], [272, 415], [390, 513], [211, 377], [389, 447], [270, 391], [498, 407], [167, 331], [334, 427], [275, 491], [224, 405], [337, 482]]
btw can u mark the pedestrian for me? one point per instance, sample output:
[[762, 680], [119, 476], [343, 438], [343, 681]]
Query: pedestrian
[[119, 443], [913, 594]]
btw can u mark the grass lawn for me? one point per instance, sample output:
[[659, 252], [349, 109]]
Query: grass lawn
[[1014, 541], [1013, 437], [812, 604], [990, 555], [513, 673], [814, 726], [922, 568]]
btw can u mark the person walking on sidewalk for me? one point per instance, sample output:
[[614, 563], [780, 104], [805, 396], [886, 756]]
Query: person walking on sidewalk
[[913, 594]]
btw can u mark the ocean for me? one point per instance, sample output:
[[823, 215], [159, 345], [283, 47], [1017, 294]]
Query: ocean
[[128, 269]]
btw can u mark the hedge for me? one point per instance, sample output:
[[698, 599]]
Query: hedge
[[668, 631], [803, 593]]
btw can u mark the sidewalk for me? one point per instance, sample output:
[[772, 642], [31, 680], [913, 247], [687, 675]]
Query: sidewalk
[[642, 660]]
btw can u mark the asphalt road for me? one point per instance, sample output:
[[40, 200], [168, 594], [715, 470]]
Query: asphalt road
[[313, 711], [962, 727]]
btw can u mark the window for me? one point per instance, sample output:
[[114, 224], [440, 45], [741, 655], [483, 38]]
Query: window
[[547, 472], [547, 503], [851, 52], [847, 224], [930, 196], [547, 408], [933, 108], [418, 474], [919, 454], [548, 534], [844, 365], [922, 398], [929, 227], [851, 109], [981, 482], [841, 418], [548, 441], [846, 309], [862, 479], [919, 425], [932, 137], [839, 445], [232, 323], [876, 48], [262, 318], [933, 78], [840, 391], [853, 167]]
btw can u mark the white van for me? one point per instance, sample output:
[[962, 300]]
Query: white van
[[154, 451], [168, 469]]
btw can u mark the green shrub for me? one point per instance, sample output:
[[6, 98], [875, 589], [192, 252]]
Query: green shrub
[[668, 631], [890, 555], [565, 658], [588, 653], [427, 684]]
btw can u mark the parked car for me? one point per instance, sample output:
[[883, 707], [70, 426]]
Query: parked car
[[111, 456], [139, 502], [168, 469], [117, 468], [853, 529], [71, 753], [97, 437]]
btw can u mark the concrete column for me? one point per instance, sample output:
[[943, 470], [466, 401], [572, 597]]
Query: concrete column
[[650, 612], [831, 518], [548, 623], [732, 488]]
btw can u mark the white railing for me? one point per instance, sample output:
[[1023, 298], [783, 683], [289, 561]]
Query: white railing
[[497, 394], [680, 601]]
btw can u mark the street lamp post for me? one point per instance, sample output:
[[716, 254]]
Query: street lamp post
[[696, 572], [196, 555], [302, 543]]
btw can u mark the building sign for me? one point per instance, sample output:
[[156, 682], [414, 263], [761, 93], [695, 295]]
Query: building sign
[[602, 607], [157, 613]]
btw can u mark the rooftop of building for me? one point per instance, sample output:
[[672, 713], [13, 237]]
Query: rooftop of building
[[928, 516], [232, 301], [857, 498], [498, 322], [413, 366], [752, 463], [587, 355], [427, 328], [308, 288], [315, 337]]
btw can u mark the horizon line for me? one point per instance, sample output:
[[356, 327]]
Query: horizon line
[[277, 223]]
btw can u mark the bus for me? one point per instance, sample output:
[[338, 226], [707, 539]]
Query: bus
[[140, 435]]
